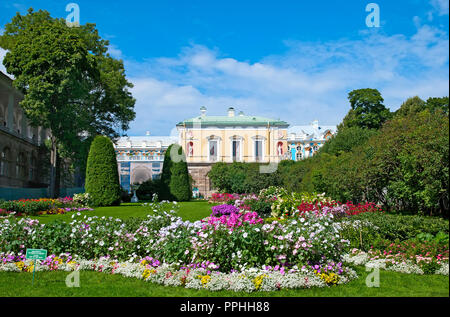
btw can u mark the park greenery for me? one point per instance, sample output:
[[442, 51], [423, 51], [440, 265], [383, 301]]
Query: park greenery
[[71, 85], [319, 243], [102, 176], [398, 160]]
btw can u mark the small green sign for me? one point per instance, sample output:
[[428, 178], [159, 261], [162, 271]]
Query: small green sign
[[36, 254]]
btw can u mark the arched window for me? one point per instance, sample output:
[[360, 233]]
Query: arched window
[[2, 116], [21, 165], [31, 174], [5, 157], [280, 148], [190, 149]]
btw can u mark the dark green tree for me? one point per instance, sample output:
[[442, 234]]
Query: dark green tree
[[367, 109], [166, 175], [346, 139], [175, 179], [71, 86], [435, 103], [180, 183], [412, 105], [102, 176]]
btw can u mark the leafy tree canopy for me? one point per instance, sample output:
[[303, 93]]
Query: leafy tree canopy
[[367, 109], [71, 85]]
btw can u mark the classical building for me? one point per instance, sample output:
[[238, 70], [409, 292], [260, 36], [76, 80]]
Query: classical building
[[305, 141], [19, 142], [209, 139], [231, 138], [140, 158]]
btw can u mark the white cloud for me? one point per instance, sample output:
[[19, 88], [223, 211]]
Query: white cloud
[[115, 52], [311, 81], [2, 56], [441, 6]]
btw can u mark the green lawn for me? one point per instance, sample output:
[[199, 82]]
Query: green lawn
[[193, 210], [48, 284], [101, 284]]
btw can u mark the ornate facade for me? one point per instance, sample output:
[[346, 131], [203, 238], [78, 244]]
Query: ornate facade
[[305, 141], [141, 158], [209, 139], [19, 142], [230, 138]]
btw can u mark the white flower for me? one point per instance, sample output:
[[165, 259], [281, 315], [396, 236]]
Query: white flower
[[245, 235]]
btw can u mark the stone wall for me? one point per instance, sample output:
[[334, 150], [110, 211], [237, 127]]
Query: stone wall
[[198, 172]]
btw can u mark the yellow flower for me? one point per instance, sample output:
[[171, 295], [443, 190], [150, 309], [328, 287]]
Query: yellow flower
[[204, 279], [257, 281], [20, 265], [146, 274], [329, 278]]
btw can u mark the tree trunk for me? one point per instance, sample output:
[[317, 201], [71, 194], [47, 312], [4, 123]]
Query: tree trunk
[[54, 170]]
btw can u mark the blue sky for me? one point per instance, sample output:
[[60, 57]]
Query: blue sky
[[293, 60]]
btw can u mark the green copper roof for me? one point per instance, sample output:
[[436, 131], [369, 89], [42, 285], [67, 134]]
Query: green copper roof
[[233, 121]]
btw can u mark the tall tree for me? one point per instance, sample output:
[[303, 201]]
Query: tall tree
[[412, 105], [367, 109], [102, 175], [71, 86], [175, 181]]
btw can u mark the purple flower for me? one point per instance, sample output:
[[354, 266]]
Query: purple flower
[[225, 209]]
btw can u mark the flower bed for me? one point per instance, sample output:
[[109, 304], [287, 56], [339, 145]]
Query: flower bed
[[42, 206], [416, 264], [301, 252], [232, 249], [198, 276]]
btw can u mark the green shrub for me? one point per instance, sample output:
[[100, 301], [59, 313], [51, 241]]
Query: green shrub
[[180, 184], [175, 180], [148, 188], [404, 227], [125, 196], [102, 176]]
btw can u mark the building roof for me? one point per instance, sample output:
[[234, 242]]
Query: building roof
[[239, 120], [145, 141], [313, 131]]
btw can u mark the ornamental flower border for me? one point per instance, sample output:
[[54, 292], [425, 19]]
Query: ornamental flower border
[[392, 263], [200, 276]]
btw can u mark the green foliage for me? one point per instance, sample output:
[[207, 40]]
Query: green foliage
[[148, 188], [404, 227], [403, 166], [241, 178], [102, 176], [347, 139], [438, 104], [71, 86], [367, 109], [175, 179], [180, 184], [412, 105], [378, 230]]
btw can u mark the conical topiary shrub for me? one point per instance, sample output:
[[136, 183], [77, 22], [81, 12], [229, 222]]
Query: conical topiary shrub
[[102, 176], [175, 180]]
